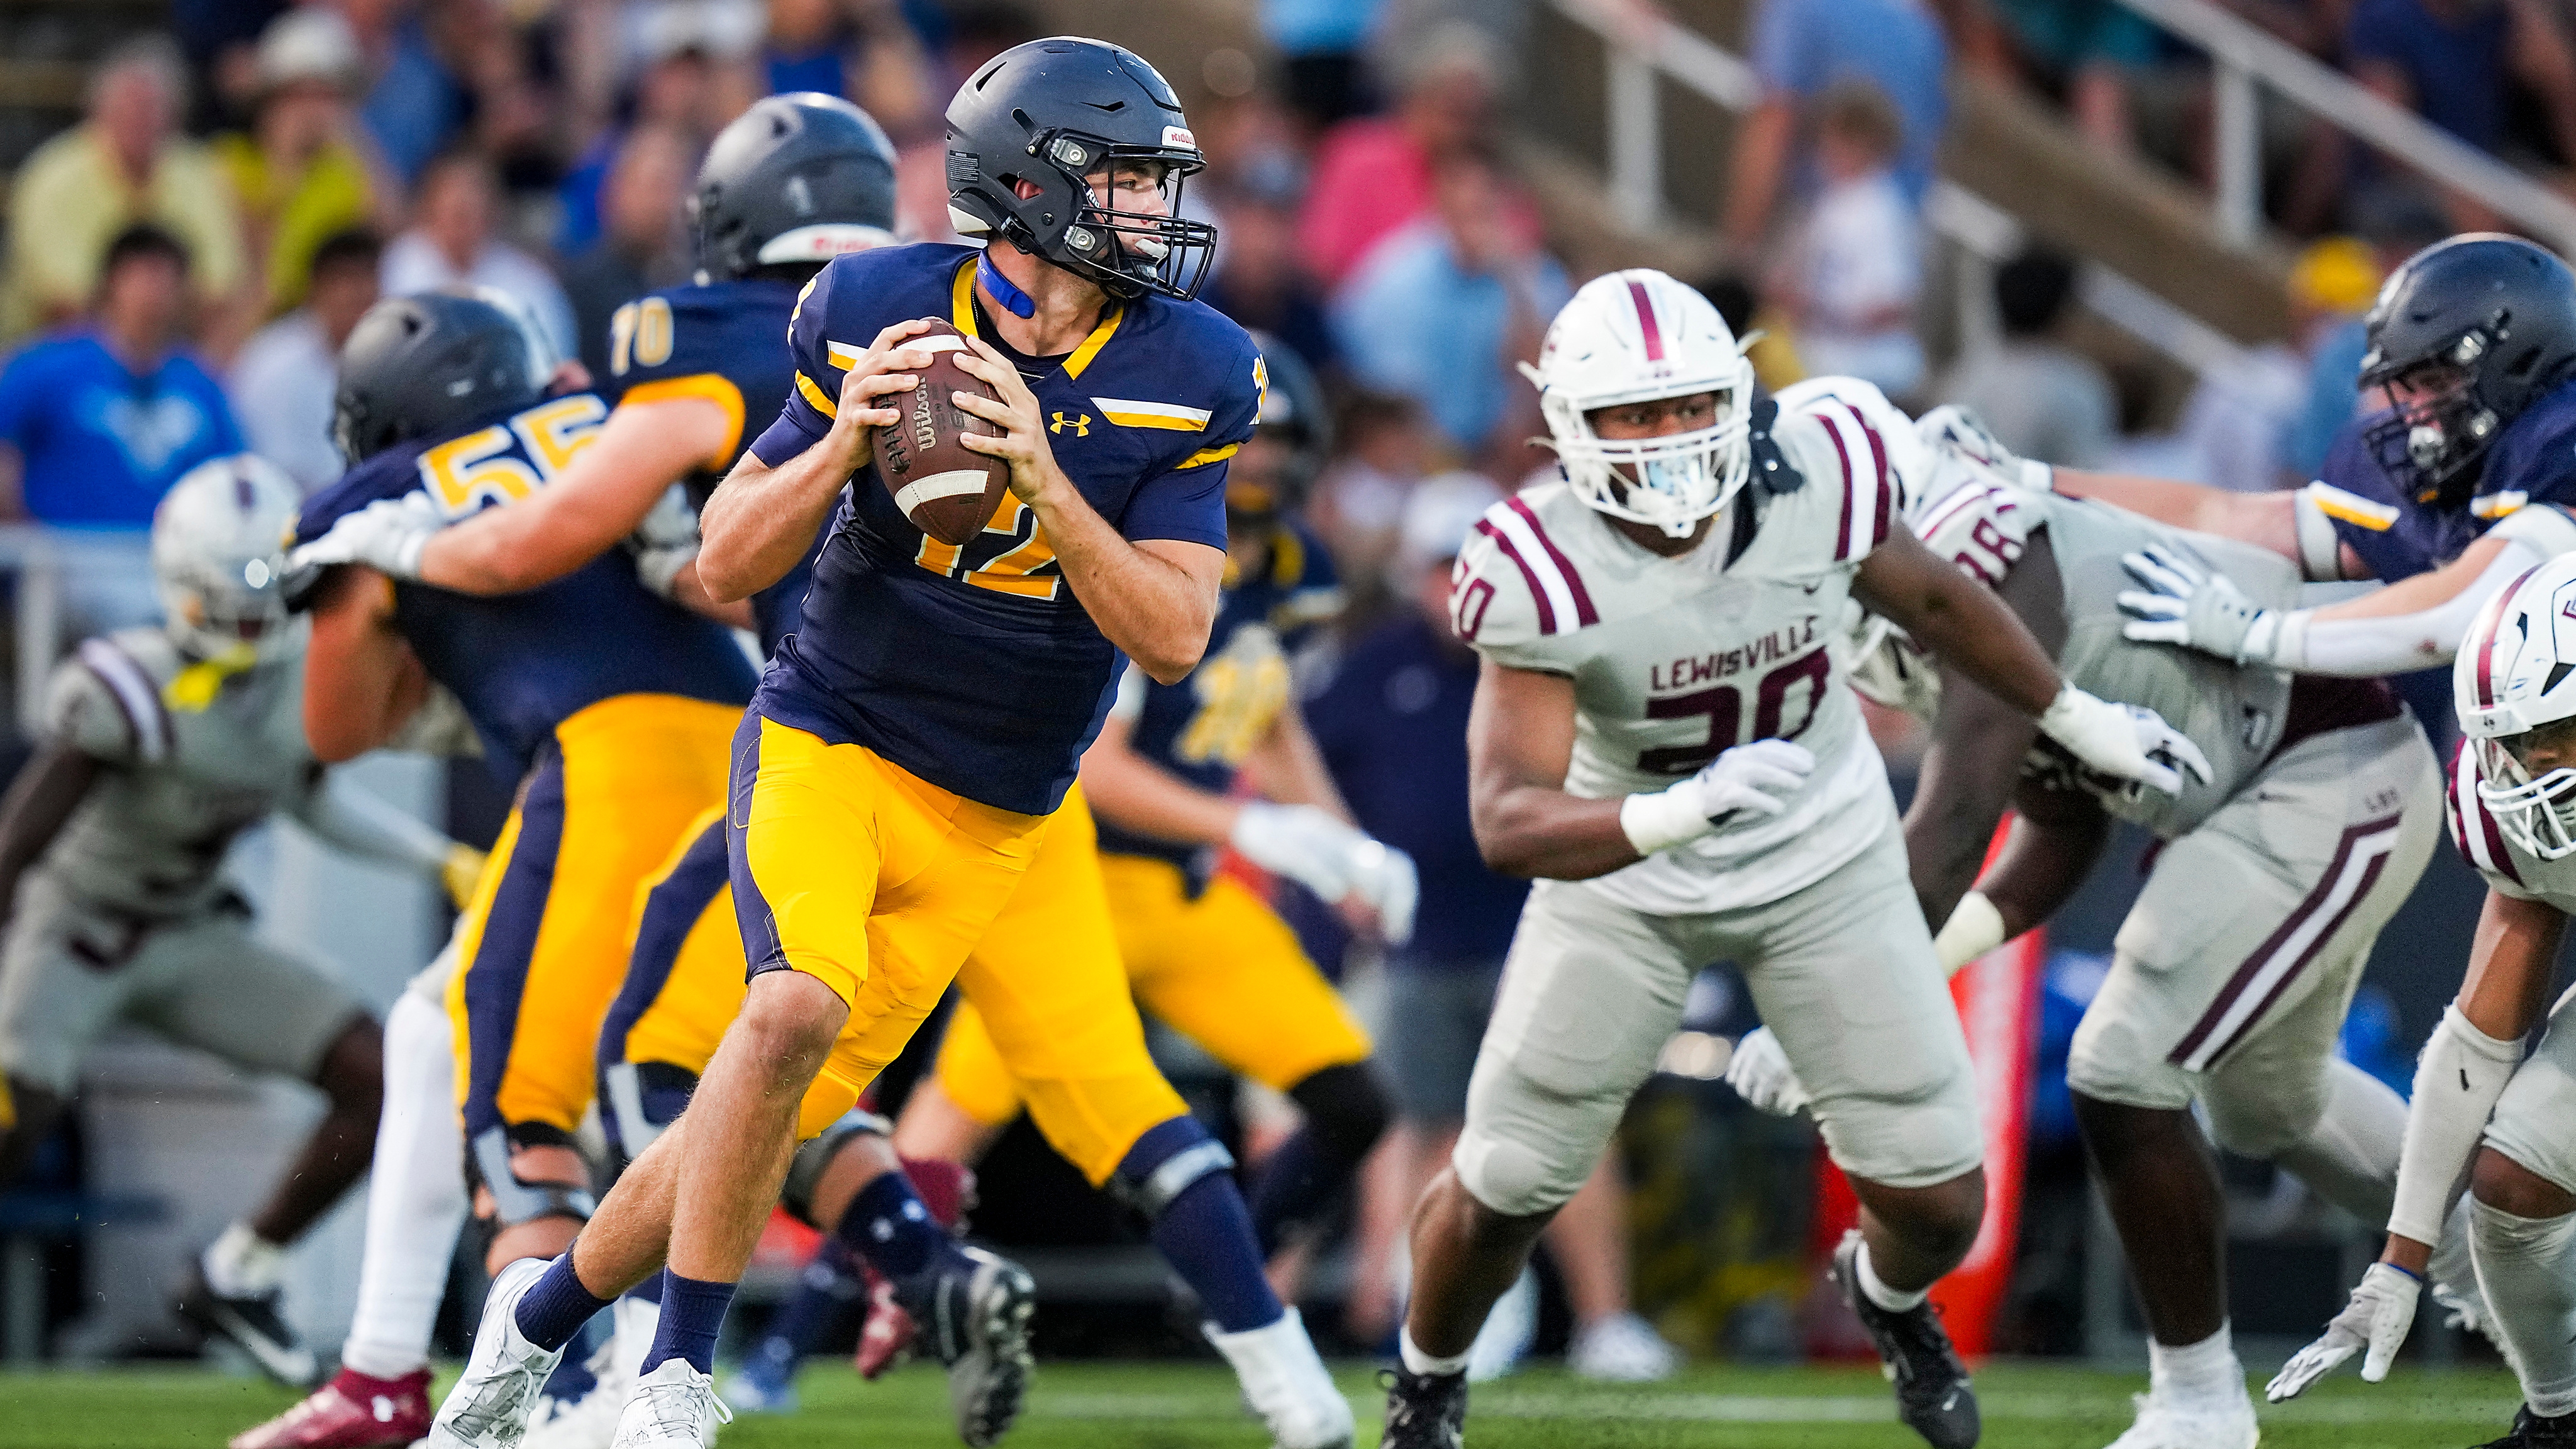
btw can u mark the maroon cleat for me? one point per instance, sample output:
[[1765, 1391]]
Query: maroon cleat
[[886, 1338], [352, 1411]]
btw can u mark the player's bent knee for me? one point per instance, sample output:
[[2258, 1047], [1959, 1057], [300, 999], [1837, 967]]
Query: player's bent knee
[[1515, 1179], [1346, 1105], [788, 1030], [819, 1161], [1940, 1221], [2262, 1124], [2509, 1187]]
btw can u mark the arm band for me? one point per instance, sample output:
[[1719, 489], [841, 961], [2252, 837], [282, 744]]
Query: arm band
[[2457, 1081], [1661, 820], [1974, 928]]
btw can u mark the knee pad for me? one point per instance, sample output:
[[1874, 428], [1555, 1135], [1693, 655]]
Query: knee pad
[[2108, 1063], [1512, 1178], [814, 1156], [1166, 1162], [638, 1100], [513, 1200], [1346, 1105]]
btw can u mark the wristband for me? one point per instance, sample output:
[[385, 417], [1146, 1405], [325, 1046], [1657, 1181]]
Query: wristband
[[1661, 820], [1974, 928]]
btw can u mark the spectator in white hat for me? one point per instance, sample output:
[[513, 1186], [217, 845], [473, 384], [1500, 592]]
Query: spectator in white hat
[[305, 170]]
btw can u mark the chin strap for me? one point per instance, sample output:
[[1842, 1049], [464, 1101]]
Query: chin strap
[[1004, 290]]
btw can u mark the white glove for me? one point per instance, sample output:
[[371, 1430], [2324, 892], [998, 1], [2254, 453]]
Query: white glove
[[1760, 1073], [2123, 740], [1331, 859], [2377, 1318], [2188, 605], [1957, 431], [1755, 777], [1383, 878], [665, 541], [386, 535]]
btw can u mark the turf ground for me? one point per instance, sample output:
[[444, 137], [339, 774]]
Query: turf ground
[[1189, 1406]]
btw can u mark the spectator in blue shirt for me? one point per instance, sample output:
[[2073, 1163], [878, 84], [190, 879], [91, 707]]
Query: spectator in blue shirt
[[1441, 309], [99, 420], [2455, 62], [1392, 725], [1801, 47]]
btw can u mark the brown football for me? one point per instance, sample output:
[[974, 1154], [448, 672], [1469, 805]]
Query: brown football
[[946, 491]]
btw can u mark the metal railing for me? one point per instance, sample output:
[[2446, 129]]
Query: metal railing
[[1644, 47], [2245, 59]]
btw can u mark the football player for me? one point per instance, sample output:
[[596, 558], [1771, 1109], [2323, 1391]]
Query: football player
[[1203, 952], [2317, 821], [161, 745], [2481, 1109], [2473, 351], [608, 706], [896, 778], [694, 372], [1661, 735]]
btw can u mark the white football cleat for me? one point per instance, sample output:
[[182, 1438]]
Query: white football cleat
[[674, 1407], [2163, 1425], [490, 1405], [1286, 1383], [1622, 1349]]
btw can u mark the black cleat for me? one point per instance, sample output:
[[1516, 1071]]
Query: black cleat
[[2531, 1431], [254, 1323], [1933, 1395], [1424, 1411], [973, 1316]]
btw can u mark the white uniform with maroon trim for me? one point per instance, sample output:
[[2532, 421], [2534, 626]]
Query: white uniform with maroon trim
[[2535, 1119], [2315, 825], [1673, 661], [127, 915]]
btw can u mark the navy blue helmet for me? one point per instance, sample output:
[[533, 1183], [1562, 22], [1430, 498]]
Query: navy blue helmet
[[1052, 113], [2467, 333], [432, 363], [794, 181]]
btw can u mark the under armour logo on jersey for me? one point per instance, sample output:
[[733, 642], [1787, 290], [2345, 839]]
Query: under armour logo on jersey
[[1081, 425]]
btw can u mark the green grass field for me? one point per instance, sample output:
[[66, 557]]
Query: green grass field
[[1192, 1406]]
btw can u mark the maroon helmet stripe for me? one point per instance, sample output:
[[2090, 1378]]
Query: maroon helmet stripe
[[1529, 576], [2491, 625], [1646, 321]]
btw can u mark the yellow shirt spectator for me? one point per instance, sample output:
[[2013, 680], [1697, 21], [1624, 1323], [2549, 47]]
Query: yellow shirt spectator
[[296, 212], [72, 197]]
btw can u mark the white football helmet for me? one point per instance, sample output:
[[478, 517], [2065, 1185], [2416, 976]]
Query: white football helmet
[[219, 556], [1635, 336], [2514, 682]]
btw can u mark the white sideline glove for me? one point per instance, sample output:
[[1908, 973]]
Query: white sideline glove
[[1959, 432], [1760, 1073], [2382, 1309], [1755, 777], [1331, 859], [2184, 603], [665, 541], [2123, 740], [386, 535]]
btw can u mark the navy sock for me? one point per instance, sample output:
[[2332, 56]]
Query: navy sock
[[1300, 1177], [648, 1291], [887, 1225], [692, 1315], [1204, 1232], [556, 1306], [824, 1291]]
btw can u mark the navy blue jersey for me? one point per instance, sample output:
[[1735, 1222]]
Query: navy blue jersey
[[974, 668], [1202, 727], [725, 342], [2395, 528], [522, 663]]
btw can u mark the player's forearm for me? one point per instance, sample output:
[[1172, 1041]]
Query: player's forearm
[[48, 789], [1154, 610], [1131, 792], [2043, 862], [2512, 959], [1287, 767], [2262, 519], [2415, 623], [761, 519], [359, 823], [1537, 832], [1968, 777], [1960, 621], [362, 683], [692, 595]]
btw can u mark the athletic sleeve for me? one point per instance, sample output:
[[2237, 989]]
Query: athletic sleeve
[[812, 400], [103, 704]]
